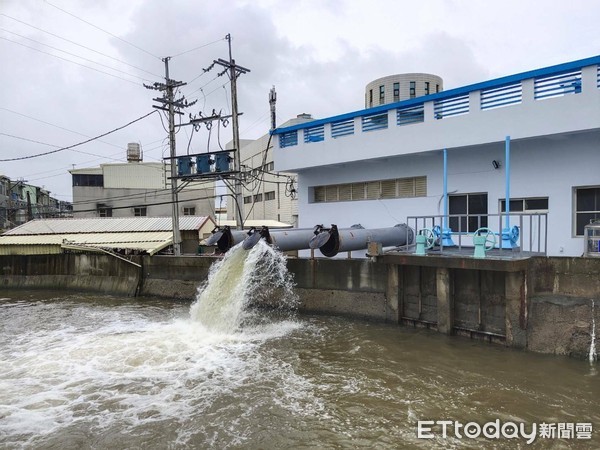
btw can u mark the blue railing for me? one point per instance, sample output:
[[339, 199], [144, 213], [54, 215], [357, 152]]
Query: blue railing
[[557, 85], [377, 121], [453, 106], [342, 128], [314, 134], [499, 97], [412, 114], [288, 139], [553, 81]]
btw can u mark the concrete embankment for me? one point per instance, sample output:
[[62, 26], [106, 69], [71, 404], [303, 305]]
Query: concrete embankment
[[540, 304]]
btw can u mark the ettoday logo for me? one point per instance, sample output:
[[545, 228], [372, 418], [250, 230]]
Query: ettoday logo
[[427, 429]]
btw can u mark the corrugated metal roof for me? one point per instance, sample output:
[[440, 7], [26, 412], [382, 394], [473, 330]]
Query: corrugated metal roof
[[106, 225], [150, 242]]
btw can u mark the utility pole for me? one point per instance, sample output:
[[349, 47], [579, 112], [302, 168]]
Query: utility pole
[[173, 153], [168, 99], [234, 72]]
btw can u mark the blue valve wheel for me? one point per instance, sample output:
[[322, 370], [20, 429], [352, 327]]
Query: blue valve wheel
[[514, 234]]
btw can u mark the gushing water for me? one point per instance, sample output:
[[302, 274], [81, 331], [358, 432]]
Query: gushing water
[[592, 355], [257, 276]]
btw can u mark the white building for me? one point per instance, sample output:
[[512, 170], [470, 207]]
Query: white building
[[381, 166], [136, 189]]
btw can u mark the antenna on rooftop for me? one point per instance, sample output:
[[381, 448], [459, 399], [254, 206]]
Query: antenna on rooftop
[[272, 100]]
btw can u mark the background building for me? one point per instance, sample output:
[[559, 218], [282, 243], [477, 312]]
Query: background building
[[395, 88], [136, 189], [381, 166], [267, 195], [21, 202]]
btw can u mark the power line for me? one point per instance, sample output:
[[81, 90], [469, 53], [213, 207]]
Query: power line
[[73, 54], [155, 192], [68, 60], [197, 48], [155, 204], [104, 31], [53, 125], [74, 145], [77, 44]]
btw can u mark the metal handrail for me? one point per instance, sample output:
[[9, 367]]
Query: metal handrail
[[532, 227]]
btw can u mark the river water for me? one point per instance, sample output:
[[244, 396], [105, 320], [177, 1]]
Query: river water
[[83, 371]]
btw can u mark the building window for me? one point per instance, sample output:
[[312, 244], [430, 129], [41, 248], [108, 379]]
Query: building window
[[370, 98], [189, 211], [587, 207], [427, 88], [381, 95], [413, 89], [473, 210], [527, 205], [104, 212], [270, 195], [258, 197], [247, 199], [371, 190], [88, 180], [437, 88], [396, 92], [142, 211]]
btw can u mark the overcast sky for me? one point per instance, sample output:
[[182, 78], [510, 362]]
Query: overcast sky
[[318, 54]]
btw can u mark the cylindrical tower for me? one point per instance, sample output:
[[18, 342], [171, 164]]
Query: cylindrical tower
[[395, 88]]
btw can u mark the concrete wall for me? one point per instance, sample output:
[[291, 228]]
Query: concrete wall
[[540, 304], [86, 272], [351, 288], [174, 277]]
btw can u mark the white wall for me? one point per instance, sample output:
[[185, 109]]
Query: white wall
[[543, 167]]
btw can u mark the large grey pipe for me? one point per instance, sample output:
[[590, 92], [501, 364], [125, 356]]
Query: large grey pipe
[[333, 241], [225, 238], [284, 240]]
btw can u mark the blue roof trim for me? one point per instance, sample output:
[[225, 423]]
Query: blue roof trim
[[497, 82]]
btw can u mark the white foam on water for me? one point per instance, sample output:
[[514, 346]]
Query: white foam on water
[[239, 278], [110, 368]]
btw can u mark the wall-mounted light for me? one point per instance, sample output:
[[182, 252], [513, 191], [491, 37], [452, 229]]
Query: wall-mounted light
[[496, 164]]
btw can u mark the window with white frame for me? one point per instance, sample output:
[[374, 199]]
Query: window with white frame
[[140, 211], [104, 212], [189, 211], [587, 207], [528, 205], [473, 210]]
